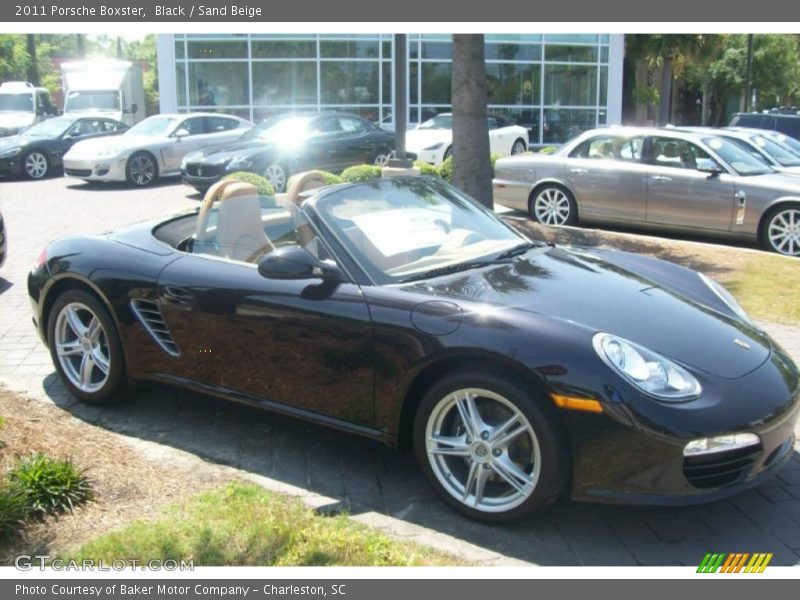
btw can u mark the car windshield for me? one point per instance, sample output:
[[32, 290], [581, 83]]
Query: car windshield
[[154, 126], [786, 141], [92, 100], [413, 228], [50, 128], [782, 155], [16, 102], [437, 122], [740, 160], [279, 128]]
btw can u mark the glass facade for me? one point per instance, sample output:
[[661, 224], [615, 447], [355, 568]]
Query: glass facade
[[555, 85]]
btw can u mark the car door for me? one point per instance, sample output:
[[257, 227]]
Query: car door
[[354, 142], [188, 136], [304, 344], [680, 195], [607, 176]]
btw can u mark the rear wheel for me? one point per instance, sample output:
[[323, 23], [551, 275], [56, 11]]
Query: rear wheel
[[141, 169], [381, 157], [35, 165], [554, 205], [780, 231], [518, 147], [85, 347], [490, 449]]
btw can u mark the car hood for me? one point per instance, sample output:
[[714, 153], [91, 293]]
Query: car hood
[[12, 141], [15, 120], [224, 152], [794, 171], [583, 289], [419, 139]]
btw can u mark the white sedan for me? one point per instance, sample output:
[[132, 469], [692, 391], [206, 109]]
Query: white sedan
[[151, 149], [432, 141]]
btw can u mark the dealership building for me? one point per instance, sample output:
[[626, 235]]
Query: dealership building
[[556, 85]]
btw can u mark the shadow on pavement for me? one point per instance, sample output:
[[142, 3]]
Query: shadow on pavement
[[370, 477]]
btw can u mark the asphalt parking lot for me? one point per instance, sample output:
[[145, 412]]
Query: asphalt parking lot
[[365, 475]]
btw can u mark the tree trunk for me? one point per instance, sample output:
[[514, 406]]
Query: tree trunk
[[33, 65], [665, 107], [80, 45], [704, 93], [472, 167]]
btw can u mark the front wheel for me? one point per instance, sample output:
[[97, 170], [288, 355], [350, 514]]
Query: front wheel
[[381, 158], [35, 165], [490, 449], [142, 169], [85, 347], [554, 205], [781, 230]]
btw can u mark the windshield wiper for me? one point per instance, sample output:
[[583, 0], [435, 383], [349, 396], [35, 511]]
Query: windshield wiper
[[465, 266], [519, 249]]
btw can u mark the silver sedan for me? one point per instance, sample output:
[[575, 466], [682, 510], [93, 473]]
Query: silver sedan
[[658, 178]]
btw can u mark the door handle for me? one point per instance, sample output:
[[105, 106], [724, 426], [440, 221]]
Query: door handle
[[579, 171], [661, 178], [177, 296], [741, 205]]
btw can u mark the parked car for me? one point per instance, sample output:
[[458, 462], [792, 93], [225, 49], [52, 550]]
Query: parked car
[[40, 150], [788, 124], [289, 144], [152, 148], [432, 140], [23, 105], [784, 139], [656, 178], [404, 311], [3, 241], [776, 154]]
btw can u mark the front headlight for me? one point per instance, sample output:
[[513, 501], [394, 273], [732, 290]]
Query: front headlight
[[434, 147], [10, 152], [650, 372], [240, 163], [726, 297]]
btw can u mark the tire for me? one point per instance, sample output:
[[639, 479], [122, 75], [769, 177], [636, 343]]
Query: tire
[[381, 157], [35, 165], [553, 204], [142, 169], [103, 381], [539, 453], [447, 153], [780, 230], [277, 175], [518, 147]]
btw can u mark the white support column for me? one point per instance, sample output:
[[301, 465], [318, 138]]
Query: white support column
[[167, 93], [616, 56]]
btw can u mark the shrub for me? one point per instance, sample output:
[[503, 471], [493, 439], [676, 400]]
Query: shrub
[[330, 179], [427, 169], [13, 510], [48, 485], [446, 169], [547, 150], [262, 184], [360, 173]]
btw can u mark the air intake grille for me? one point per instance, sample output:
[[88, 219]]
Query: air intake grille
[[720, 468], [150, 316]]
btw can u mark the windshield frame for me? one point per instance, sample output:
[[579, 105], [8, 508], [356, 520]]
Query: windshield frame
[[29, 111], [175, 119], [31, 131], [365, 274]]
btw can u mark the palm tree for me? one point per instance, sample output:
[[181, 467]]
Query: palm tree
[[472, 167]]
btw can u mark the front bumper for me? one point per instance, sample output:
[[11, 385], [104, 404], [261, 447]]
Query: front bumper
[[432, 157], [11, 166], [96, 169], [202, 176], [632, 457]]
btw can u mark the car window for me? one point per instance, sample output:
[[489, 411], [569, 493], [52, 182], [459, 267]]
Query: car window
[[679, 154], [351, 125], [86, 127], [741, 161], [217, 124], [614, 147], [194, 125], [789, 126], [492, 122], [326, 126], [749, 120], [109, 125]]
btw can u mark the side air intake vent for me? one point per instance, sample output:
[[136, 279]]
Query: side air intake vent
[[150, 316]]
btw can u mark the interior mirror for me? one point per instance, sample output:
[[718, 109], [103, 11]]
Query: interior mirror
[[181, 133], [709, 166], [295, 262]]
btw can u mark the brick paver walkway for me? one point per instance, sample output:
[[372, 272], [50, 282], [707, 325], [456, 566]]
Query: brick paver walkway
[[374, 481]]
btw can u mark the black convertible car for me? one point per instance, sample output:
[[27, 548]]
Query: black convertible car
[[281, 146], [403, 311], [38, 151]]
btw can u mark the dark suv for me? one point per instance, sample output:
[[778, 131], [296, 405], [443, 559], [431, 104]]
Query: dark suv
[[786, 123]]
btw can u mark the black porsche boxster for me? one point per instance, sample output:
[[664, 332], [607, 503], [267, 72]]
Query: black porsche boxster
[[404, 311]]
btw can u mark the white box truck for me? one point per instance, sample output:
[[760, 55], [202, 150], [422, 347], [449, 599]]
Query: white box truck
[[113, 88]]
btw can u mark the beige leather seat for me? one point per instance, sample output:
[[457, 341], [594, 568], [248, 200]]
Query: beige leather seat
[[304, 182], [240, 232]]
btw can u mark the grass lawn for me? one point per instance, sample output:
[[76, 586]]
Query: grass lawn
[[243, 524], [767, 285]]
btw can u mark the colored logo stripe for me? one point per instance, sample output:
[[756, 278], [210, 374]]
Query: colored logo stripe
[[735, 562]]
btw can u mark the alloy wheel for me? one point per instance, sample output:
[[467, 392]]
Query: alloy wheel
[[82, 347], [483, 450], [142, 169], [552, 207], [784, 232], [36, 165], [276, 175], [381, 159]]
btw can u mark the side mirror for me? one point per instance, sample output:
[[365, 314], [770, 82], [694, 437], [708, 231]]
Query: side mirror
[[709, 167], [295, 262], [181, 133]]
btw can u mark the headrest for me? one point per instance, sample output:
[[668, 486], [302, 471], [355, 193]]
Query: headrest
[[303, 182]]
